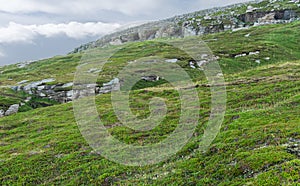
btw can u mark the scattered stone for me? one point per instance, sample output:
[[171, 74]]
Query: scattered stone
[[240, 55], [201, 63], [67, 85], [254, 53], [28, 99], [24, 64], [207, 17], [39, 88], [250, 9], [15, 88], [235, 117], [13, 109], [257, 61], [58, 156], [220, 75], [276, 6], [192, 64], [247, 35], [204, 56], [70, 94], [22, 82], [151, 78], [94, 70], [171, 60], [113, 85], [34, 152], [47, 146], [42, 95], [2, 113]]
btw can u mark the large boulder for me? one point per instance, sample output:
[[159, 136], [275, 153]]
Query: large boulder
[[13, 109]]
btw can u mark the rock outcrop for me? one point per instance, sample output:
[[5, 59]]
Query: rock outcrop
[[60, 92], [64, 93], [205, 22]]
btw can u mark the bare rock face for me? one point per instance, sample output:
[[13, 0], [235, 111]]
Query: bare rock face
[[13, 109]]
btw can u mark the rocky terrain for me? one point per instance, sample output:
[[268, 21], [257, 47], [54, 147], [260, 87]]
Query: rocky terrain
[[230, 18]]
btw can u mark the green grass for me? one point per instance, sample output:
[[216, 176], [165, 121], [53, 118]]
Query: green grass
[[38, 150]]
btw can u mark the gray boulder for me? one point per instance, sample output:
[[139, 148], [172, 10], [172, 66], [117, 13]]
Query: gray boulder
[[13, 109], [113, 85]]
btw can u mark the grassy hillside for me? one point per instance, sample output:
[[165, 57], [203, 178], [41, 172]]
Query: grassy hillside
[[277, 42], [44, 146]]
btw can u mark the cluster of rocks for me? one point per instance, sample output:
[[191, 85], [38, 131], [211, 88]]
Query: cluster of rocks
[[251, 54], [226, 22], [62, 93], [59, 92], [67, 92]]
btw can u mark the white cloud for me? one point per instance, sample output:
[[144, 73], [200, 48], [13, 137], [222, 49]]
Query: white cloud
[[129, 7], [26, 33]]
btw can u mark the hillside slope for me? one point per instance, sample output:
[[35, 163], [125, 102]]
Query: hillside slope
[[255, 145], [258, 143]]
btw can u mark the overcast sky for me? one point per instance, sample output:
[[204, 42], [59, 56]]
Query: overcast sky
[[36, 29]]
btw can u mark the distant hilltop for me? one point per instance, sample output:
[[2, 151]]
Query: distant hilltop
[[233, 17]]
